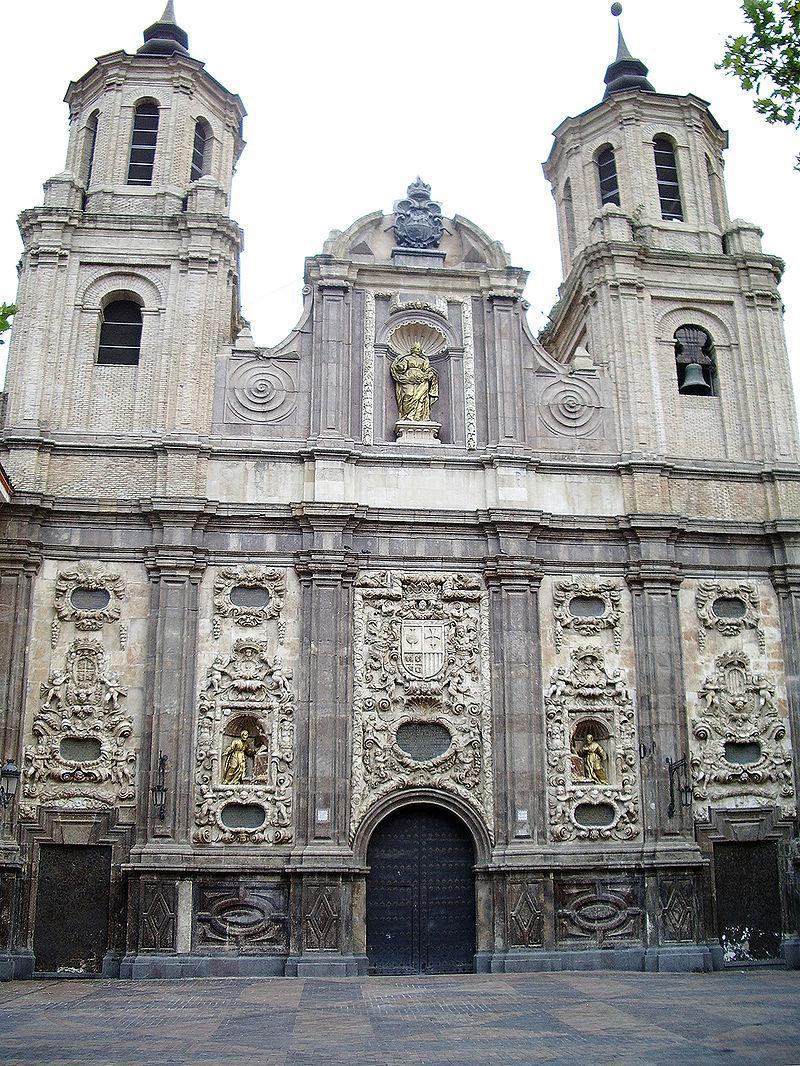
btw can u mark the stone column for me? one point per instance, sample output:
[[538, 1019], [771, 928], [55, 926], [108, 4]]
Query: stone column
[[660, 692], [323, 727], [506, 358], [786, 580], [517, 700], [331, 368], [171, 688]]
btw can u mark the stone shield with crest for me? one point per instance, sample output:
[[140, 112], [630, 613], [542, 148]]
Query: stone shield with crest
[[422, 647]]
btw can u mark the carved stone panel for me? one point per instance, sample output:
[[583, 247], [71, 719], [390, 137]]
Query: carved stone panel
[[89, 597], [321, 916], [244, 750], [572, 406], [421, 661], [569, 597], [678, 911], [248, 916], [599, 909], [592, 757], [738, 737], [261, 390], [729, 609], [525, 911], [249, 596], [80, 758], [158, 905]]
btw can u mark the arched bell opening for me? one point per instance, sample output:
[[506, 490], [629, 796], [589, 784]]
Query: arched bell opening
[[421, 904]]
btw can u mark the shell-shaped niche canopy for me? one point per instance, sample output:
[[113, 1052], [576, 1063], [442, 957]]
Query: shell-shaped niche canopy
[[402, 338]]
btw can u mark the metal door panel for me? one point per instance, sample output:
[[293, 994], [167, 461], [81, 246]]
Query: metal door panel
[[748, 901]]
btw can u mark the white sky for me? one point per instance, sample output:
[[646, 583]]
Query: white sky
[[349, 100]]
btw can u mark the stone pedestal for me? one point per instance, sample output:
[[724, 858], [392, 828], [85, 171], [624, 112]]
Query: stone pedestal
[[411, 432]]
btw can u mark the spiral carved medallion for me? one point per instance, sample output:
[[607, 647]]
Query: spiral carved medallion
[[571, 407], [261, 390]]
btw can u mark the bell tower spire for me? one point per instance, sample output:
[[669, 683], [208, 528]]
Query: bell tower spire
[[165, 37], [625, 72]]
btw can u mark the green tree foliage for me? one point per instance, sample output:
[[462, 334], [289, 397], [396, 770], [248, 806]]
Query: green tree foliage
[[7, 312], [767, 61]]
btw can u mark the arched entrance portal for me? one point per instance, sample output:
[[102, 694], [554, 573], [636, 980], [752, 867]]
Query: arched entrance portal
[[421, 893]]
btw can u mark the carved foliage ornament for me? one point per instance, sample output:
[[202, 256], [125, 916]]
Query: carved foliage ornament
[[80, 758], [90, 597], [566, 615], [249, 596], [245, 692], [729, 609], [739, 744], [592, 777], [421, 660]]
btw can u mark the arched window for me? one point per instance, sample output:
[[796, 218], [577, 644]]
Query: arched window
[[607, 176], [669, 192], [695, 362], [120, 334], [90, 140], [143, 144], [569, 215], [716, 214], [202, 137]]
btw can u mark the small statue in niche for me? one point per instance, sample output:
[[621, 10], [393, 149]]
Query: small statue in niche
[[234, 759], [261, 763], [416, 385], [588, 759]]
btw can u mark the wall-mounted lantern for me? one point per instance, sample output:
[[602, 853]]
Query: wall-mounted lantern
[[9, 780], [678, 781], [158, 790]]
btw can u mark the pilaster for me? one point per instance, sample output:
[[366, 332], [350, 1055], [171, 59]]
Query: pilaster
[[323, 727], [517, 707]]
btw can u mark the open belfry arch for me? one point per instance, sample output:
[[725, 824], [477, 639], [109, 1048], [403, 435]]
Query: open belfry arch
[[413, 643]]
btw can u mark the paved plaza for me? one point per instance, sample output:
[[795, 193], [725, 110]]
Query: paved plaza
[[733, 1017]]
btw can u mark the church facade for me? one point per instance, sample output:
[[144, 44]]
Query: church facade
[[415, 643]]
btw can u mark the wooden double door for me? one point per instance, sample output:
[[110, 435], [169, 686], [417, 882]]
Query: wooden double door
[[421, 894]]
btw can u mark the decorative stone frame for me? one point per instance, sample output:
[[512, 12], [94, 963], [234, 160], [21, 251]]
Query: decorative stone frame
[[251, 576], [86, 575], [610, 592], [709, 591], [587, 689]]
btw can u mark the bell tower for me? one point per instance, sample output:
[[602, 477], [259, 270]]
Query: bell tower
[[129, 273], [661, 286]]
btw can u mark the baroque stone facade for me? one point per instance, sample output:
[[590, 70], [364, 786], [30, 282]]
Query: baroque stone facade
[[413, 621]]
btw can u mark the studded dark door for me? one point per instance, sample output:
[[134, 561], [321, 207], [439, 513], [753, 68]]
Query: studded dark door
[[72, 897], [421, 894], [748, 901]]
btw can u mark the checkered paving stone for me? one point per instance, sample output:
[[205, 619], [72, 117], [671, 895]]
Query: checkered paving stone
[[735, 1017]]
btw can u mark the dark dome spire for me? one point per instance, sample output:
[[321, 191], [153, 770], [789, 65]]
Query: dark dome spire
[[165, 37], [625, 72]]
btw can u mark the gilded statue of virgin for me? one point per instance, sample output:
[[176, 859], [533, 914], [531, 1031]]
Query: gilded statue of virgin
[[416, 385]]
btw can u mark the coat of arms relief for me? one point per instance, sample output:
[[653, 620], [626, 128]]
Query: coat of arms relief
[[421, 711]]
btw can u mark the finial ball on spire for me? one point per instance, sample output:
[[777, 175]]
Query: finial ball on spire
[[616, 10]]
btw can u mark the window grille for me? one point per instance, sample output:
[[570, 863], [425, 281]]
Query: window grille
[[143, 144], [607, 175], [199, 150], [669, 192]]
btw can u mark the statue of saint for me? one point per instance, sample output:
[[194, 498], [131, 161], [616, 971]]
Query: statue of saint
[[416, 385], [234, 759], [593, 759]]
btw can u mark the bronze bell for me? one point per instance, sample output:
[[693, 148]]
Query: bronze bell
[[694, 382]]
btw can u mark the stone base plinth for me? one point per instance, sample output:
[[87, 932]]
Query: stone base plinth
[[410, 432]]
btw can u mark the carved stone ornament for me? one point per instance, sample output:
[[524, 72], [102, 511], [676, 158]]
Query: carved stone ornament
[[249, 613], [80, 757], [739, 747], [245, 692], [421, 659], [564, 592], [572, 407], [105, 584], [418, 222], [592, 774], [706, 599]]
